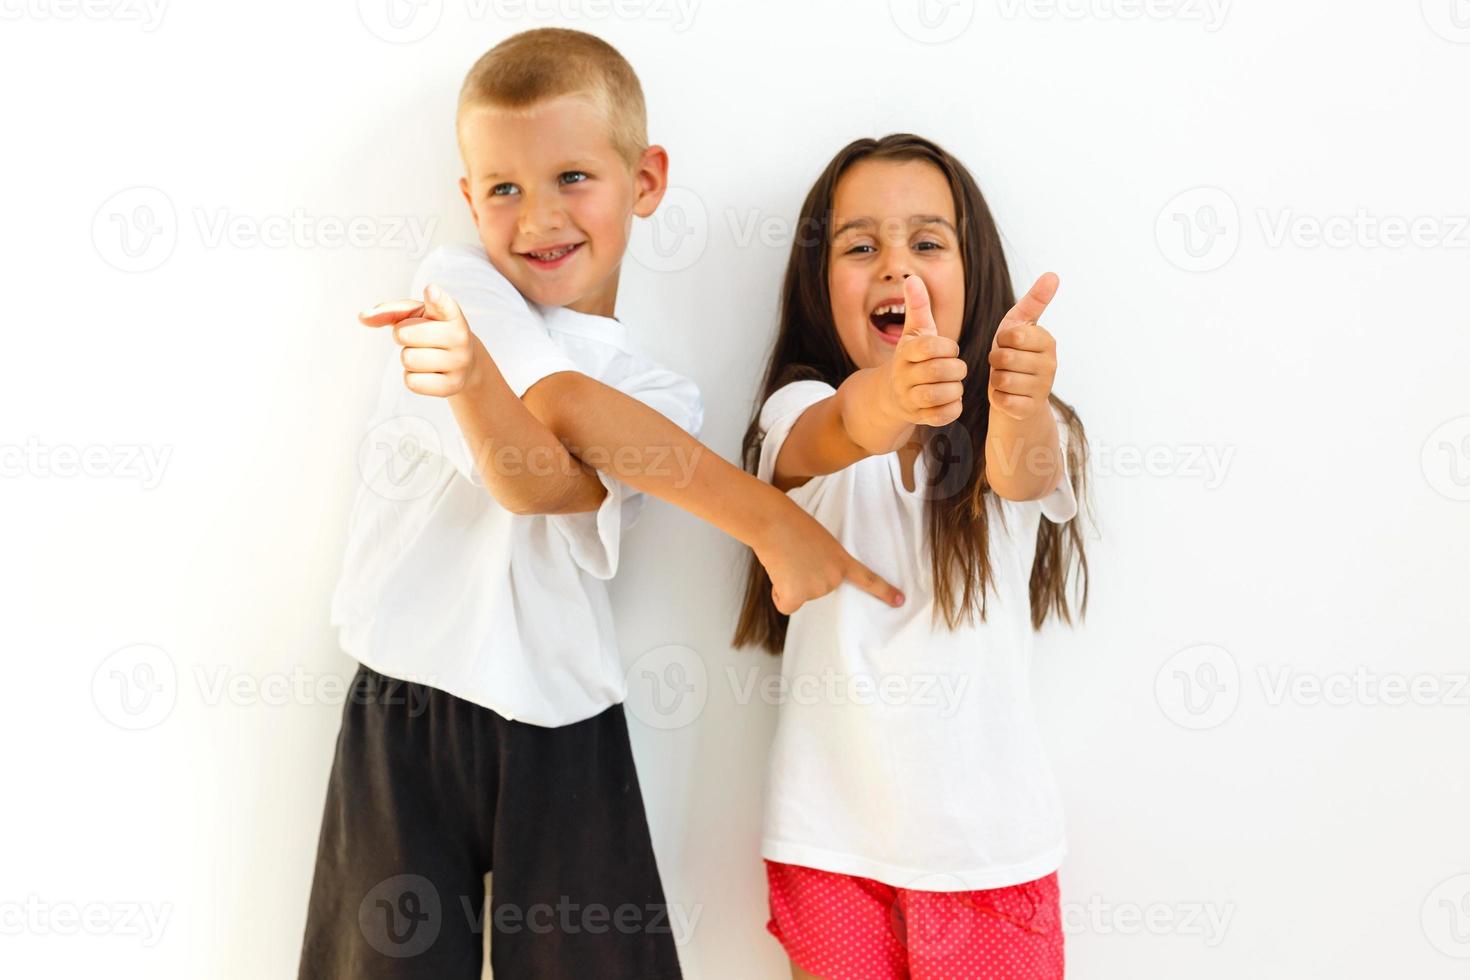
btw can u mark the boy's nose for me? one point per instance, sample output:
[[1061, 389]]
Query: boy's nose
[[539, 215]]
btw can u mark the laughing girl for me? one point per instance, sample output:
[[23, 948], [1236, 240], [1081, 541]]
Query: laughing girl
[[913, 828]]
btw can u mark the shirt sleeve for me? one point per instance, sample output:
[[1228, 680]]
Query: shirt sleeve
[[779, 414], [511, 331], [1060, 506], [595, 537]]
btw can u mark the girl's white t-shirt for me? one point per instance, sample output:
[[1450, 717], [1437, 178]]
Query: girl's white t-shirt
[[908, 752]]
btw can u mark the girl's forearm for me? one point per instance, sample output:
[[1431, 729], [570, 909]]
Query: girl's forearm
[[1023, 456], [866, 418]]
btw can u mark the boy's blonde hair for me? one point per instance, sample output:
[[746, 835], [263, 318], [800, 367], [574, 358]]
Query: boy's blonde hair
[[533, 66]]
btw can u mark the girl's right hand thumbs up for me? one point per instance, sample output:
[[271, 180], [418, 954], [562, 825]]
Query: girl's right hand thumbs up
[[926, 372]]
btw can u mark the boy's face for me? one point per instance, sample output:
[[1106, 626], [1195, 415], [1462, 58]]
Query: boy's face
[[891, 218], [554, 201]]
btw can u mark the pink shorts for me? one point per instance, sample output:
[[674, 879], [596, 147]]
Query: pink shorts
[[841, 927]]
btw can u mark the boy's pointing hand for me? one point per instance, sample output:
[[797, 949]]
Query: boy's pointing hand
[[440, 353]]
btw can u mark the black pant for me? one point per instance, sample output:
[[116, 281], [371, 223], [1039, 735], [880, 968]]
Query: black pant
[[428, 792]]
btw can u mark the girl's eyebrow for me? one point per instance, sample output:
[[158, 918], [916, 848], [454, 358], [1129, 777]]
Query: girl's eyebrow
[[933, 219], [916, 221], [850, 225]]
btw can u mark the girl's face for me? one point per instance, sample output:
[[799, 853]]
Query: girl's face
[[891, 219]]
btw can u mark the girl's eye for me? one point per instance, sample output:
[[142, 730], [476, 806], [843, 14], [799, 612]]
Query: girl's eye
[[928, 246], [860, 248], [500, 190], [573, 177]]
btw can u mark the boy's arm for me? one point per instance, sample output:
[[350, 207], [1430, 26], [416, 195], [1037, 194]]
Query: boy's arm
[[1023, 455], [630, 441], [626, 439], [524, 466]]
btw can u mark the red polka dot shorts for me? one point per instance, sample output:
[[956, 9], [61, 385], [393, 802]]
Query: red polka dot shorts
[[841, 927]]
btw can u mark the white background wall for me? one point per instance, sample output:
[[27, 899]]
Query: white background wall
[[1281, 430]]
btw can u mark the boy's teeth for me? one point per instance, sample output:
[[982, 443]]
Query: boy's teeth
[[880, 311], [552, 255]]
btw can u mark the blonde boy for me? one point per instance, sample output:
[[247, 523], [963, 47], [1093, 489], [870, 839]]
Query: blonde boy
[[486, 729]]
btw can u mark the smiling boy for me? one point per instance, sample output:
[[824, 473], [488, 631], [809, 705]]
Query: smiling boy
[[486, 729]]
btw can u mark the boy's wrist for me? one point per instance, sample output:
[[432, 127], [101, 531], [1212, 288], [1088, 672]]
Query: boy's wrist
[[770, 518]]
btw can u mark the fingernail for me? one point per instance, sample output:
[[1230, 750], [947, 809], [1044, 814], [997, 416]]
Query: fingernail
[[434, 293]]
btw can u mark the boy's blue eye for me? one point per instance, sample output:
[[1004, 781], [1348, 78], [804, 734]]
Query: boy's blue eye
[[573, 177], [500, 190]]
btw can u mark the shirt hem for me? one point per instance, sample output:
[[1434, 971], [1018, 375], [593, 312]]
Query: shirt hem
[[918, 879], [462, 691]]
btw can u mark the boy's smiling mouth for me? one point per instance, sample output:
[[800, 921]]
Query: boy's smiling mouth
[[887, 319], [553, 256]]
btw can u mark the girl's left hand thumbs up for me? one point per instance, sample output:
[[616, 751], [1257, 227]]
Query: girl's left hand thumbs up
[[1023, 358]]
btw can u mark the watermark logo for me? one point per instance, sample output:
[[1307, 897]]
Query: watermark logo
[[400, 21], [932, 21], [1445, 917], [1445, 459], [1450, 19], [941, 693], [136, 229], [401, 458], [34, 916], [1199, 230], [1209, 465], [1208, 922], [409, 21], [1210, 14], [668, 687], [147, 13], [1198, 687], [675, 236], [401, 916], [135, 688], [948, 460], [96, 461]]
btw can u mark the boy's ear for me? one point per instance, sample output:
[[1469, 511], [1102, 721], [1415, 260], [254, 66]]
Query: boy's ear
[[464, 188], [651, 178]]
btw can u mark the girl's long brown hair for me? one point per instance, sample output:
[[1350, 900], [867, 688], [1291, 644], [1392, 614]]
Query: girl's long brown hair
[[807, 347]]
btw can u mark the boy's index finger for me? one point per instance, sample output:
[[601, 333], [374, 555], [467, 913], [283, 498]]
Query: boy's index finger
[[1029, 308], [868, 580], [385, 314]]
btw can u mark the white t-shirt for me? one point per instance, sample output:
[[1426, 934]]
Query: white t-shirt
[[443, 586], [907, 752]]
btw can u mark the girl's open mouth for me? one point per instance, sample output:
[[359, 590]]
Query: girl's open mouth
[[551, 258], [887, 318]]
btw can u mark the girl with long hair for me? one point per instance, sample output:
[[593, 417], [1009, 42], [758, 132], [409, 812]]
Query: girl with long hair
[[913, 828]]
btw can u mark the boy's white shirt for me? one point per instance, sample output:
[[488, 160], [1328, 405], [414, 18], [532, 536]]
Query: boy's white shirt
[[907, 752], [443, 586]]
